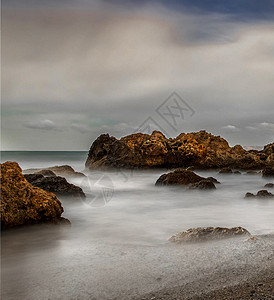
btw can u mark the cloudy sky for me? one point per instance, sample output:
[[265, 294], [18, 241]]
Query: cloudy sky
[[74, 69]]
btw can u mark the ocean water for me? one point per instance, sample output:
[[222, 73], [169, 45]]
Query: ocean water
[[124, 217]]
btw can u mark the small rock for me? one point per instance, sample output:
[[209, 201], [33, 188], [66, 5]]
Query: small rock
[[179, 177], [203, 185], [252, 172], [260, 194], [55, 184], [264, 193], [201, 234], [214, 180], [237, 172], [269, 185], [226, 171], [249, 195]]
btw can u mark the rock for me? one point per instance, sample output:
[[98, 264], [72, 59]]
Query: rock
[[203, 185], [45, 172], [32, 177], [268, 172], [237, 172], [269, 185], [260, 194], [22, 203], [55, 184], [252, 172], [202, 234], [196, 150], [212, 179], [249, 195], [226, 171], [179, 177], [264, 193], [64, 171]]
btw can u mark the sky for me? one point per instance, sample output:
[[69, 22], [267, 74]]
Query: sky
[[74, 69]]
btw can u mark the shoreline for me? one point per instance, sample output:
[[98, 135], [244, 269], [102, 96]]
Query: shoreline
[[241, 282]]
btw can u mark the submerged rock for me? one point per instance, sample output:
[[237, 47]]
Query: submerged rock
[[212, 179], [237, 172], [55, 184], [203, 185], [260, 194], [22, 203], [197, 150], [252, 172], [179, 177], [202, 234], [226, 171], [269, 185], [64, 171]]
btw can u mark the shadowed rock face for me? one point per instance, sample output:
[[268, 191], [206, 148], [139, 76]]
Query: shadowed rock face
[[268, 172], [203, 185], [202, 234], [64, 171], [199, 149], [55, 184], [179, 177], [22, 203]]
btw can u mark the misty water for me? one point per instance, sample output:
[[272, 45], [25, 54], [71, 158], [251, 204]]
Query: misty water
[[120, 231]]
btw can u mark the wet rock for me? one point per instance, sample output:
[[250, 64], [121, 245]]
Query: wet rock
[[226, 171], [237, 172], [268, 172], [22, 203], [202, 234], [64, 171], [252, 172], [212, 179], [203, 185], [264, 193], [179, 177], [45, 172], [269, 185], [32, 177], [260, 194], [196, 150], [56, 184], [249, 195]]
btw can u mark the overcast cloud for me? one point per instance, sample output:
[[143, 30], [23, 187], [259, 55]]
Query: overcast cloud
[[70, 74]]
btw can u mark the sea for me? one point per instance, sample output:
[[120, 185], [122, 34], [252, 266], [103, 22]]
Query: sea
[[117, 243]]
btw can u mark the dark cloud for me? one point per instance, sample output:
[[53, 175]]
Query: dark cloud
[[94, 71]]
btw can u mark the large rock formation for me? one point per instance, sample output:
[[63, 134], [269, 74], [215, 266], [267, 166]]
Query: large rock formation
[[22, 203], [200, 149], [202, 234]]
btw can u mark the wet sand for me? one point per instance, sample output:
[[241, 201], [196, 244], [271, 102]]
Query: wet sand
[[245, 281], [228, 269]]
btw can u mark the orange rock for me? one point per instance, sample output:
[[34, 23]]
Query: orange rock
[[21, 203]]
